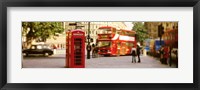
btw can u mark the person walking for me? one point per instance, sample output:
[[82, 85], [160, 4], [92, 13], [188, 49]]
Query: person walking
[[54, 49], [133, 55], [93, 51], [162, 54], [170, 56], [96, 51], [166, 54], [138, 53]]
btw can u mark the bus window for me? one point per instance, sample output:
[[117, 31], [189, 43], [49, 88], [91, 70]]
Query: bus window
[[131, 34], [122, 33], [129, 44], [104, 44], [118, 32], [108, 32], [104, 31], [113, 31], [128, 33]]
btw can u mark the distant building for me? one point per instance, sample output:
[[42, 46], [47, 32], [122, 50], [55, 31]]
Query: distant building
[[152, 27], [59, 41], [94, 27]]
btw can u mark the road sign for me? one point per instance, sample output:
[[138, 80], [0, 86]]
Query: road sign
[[72, 24]]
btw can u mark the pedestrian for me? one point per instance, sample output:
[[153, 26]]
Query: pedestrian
[[170, 55], [93, 51], [54, 49], [162, 54], [133, 55], [88, 48], [138, 53], [96, 51], [176, 61], [166, 54]]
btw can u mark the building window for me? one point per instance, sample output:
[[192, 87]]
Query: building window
[[167, 24]]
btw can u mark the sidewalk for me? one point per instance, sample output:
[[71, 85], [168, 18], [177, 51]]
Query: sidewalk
[[60, 51]]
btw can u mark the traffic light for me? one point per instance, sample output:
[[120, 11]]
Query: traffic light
[[91, 39], [72, 24], [160, 30]]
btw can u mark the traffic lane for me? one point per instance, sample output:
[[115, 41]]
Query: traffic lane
[[58, 61], [32, 57], [55, 61], [124, 62]]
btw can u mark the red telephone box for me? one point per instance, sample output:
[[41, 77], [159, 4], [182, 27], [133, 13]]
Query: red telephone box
[[75, 49]]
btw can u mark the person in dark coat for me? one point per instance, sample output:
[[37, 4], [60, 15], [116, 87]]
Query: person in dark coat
[[93, 51], [138, 53], [134, 55], [162, 54], [96, 51], [166, 53]]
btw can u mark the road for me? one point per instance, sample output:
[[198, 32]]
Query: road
[[124, 62], [58, 61], [39, 61]]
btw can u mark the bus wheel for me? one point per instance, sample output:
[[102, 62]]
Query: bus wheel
[[25, 54], [106, 55]]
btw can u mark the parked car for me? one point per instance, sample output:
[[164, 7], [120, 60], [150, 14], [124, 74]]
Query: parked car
[[174, 56], [38, 49]]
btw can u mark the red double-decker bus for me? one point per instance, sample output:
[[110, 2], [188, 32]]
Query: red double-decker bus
[[112, 41], [127, 41]]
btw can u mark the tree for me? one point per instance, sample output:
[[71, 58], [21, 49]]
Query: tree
[[40, 30], [141, 31]]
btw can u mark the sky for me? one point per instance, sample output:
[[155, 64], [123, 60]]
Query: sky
[[129, 25]]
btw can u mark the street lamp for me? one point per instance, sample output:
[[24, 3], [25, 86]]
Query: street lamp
[[88, 45]]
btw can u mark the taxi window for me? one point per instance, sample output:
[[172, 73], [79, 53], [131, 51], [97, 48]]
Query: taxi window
[[33, 47], [46, 47], [39, 47]]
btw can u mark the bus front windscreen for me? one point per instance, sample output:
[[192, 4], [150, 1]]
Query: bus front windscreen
[[104, 44]]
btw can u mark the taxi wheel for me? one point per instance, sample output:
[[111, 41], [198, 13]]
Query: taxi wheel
[[26, 54], [46, 54]]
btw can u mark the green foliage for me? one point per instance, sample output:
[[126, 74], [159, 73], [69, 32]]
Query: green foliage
[[41, 30], [141, 31]]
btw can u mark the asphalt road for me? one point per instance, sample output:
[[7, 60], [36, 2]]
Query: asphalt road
[[58, 61]]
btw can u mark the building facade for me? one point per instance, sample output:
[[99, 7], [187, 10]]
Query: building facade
[[93, 27], [152, 27]]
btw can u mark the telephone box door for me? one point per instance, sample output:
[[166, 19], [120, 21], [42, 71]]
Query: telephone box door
[[79, 60], [77, 54]]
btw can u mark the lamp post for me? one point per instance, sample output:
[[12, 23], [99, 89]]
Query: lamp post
[[88, 45], [160, 32]]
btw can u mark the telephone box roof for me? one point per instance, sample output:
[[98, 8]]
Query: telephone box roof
[[75, 30]]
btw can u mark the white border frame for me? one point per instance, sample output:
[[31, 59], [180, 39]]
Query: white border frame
[[184, 74]]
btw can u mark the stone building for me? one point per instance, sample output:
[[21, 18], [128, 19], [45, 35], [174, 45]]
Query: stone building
[[152, 27], [94, 27]]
